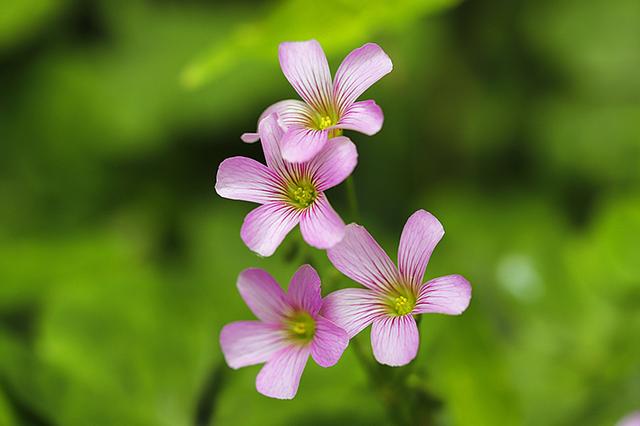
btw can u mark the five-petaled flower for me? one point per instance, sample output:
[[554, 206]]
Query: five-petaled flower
[[289, 329], [290, 193], [328, 106], [393, 295]]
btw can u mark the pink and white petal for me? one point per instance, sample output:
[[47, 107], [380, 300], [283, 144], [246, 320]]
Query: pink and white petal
[[329, 342], [288, 111], [360, 257], [271, 133], [305, 65], [246, 343], [364, 117], [358, 71], [352, 309], [395, 340], [300, 144], [241, 178], [334, 163], [320, 225], [304, 290], [280, 376], [265, 227], [249, 137], [450, 295], [295, 113], [263, 295], [420, 235]]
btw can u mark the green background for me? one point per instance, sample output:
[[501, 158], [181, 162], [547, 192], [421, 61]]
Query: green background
[[517, 123]]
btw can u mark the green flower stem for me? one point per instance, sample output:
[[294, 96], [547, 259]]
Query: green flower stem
[[208, 395], [364, 359], [353, 199]]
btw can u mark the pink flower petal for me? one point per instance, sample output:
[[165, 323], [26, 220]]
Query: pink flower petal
[[450, 295], [246, 343], [334, 163], [249, 137], [420, 235], [263, 295], [364, 117], [320, 225], [395, 340], [271, 134], [305, 66], [289, 111], [329, 342], [280, 376], [264, 228], [241, 178], [359, 70], [304, 290], [352, 309], [294, 112], [301, 144], [359, 257]]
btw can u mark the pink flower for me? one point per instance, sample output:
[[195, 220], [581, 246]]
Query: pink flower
[[328, 106], [289, 193], [393, 295], [289, 329]]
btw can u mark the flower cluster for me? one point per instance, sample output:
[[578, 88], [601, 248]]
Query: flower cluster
[[306, 154]]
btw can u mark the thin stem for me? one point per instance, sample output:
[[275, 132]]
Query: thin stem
[[364, 360], [208, 397], [353, 199]]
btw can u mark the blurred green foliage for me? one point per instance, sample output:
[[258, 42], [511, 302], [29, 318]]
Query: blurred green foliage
[[515, 123]]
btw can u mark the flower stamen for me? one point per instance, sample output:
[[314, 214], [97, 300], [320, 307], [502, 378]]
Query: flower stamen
[[401, 303], [302, 194], [301, 327], [325, 122]]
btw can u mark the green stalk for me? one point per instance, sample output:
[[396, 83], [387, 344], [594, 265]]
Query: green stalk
[[352, 199]]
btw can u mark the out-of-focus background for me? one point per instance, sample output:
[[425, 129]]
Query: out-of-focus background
[[517, 123]]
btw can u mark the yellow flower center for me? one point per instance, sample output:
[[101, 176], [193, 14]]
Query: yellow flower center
[[401, 302], [325, 122], [402, 306], [302, 194], [301, 327]]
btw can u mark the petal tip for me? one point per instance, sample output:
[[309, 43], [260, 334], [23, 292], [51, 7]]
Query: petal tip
[[227, 339], [257, 247], [388, 64], [466, 293], [268, 391], [249, 137], [424, 215], [395, 363], [328, 242]]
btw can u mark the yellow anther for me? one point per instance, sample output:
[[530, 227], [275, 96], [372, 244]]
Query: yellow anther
[[302, 195], [325, 122], [402, 305], [299, 328]]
